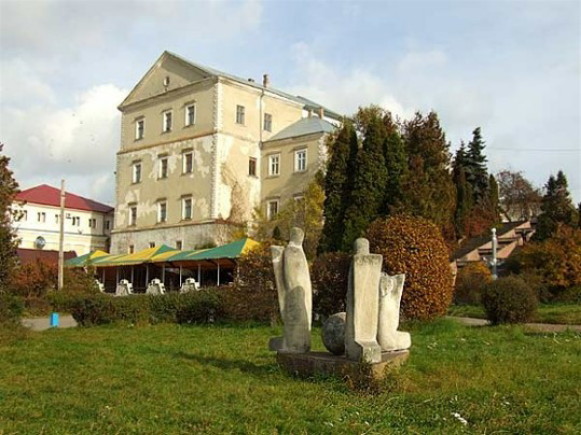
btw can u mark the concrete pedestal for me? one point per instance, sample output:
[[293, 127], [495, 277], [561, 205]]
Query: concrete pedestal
[[311, 364]]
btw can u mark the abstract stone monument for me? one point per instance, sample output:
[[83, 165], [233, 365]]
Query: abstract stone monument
[[333, 333], [363, 305], [390, 291], [155, 287], [190, 284], [293, 283], [124, 288]]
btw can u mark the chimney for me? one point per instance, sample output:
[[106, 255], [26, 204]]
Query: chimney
[[321, 112], [265, 81]]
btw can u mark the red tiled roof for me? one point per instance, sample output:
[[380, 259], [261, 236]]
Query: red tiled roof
[[48, 195], [30, 256]]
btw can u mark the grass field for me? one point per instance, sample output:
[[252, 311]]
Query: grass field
[[567, 314], [221, 379]]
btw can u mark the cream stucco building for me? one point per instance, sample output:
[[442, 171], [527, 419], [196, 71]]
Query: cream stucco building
[[201, 149], [87, 224]]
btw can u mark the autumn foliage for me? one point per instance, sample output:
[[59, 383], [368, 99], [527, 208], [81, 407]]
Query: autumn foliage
[[415, 246], [469, 282], [329, 274]]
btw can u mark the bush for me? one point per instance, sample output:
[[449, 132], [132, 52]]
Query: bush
[[330, 274], [195, 307], [509, 300], [415, 246], [469, 282], [11, 308], [254, 296]]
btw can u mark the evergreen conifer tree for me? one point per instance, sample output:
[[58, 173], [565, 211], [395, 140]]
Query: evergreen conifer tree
[[557, 208], [475, 166], [338, 185], [396, 164], [369, 183], [8, 190], [463, 193]]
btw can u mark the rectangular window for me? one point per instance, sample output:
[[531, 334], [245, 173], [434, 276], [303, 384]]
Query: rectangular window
[[92, 223], [131, 249], [187, 208], [133, 215], [190, 115], [22, 216], [179, 245], [163, 167], [152, 244], [240, 114], [139, 129], [162, 211], [274, 164], [267, 122], [56, 218], [76, 221], [137, 172], [41, 216], [252, 166], [188, 162], [272, 209], [107, 225], [167, 121], [300, 161]]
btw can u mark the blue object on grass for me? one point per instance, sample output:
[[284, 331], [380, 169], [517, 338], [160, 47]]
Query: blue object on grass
[[54, 320]]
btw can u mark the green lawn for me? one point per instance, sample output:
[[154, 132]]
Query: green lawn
[[220, 379], [568, 314]]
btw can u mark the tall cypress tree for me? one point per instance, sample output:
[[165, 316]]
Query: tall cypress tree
[[338, 186], [463, 193], [429, 189], [369, 183], [493, 198], [396, 163], [476, 170]]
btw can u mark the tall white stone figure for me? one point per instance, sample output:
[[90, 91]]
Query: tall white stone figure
[[363, 305], [295, 296], [390, 291]]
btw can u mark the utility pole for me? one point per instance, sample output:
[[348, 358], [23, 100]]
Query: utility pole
[[62, 238], [494, 260]]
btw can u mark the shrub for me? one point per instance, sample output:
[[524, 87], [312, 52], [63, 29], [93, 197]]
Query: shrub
[[254, 296], [330, 272], [469, 282], [11, 308], [415, 246], [509, 300]]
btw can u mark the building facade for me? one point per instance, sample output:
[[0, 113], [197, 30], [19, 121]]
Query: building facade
[[87, 226], [201, 149]]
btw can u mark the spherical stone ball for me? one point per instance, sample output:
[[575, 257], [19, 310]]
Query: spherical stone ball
[[333, 333]]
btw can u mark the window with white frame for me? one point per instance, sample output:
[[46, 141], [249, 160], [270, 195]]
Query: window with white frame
[[179, 245], [162, 167], [136, 172], [190, 114], [272, 209], [41, 216], [76, 221], [240, 114], [267, 122], [187, 162], [300, 160], [139, 129], [133, 215], [152, 244], [186, 208], [274, 164], [92, 223], [167, 120], [252, 166], [22, 215], [161, 211]]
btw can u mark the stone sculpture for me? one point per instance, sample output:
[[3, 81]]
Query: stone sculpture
[[155, 287], [293, 283], [363, 305], [390, 291], [333, 333], [190, 284], [124, 288]]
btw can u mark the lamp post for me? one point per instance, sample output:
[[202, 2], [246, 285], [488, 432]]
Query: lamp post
[[61, 238], [494, 260]]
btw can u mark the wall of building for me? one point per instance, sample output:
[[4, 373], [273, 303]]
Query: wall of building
[[80, 238]]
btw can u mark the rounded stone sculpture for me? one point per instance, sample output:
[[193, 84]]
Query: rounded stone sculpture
[[333, 333]]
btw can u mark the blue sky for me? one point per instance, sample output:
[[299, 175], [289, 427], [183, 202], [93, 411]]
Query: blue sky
[[511, 67]]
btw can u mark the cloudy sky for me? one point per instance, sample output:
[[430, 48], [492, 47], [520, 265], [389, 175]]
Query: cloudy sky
[[510, 67]]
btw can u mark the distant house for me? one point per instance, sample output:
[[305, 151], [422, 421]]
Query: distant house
[[87, 226], [510, 235], [32, 256]]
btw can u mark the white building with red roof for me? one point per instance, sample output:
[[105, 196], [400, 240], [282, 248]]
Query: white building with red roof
[[88, 223]]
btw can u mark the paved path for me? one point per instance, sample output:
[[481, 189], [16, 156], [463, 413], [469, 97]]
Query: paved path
[[536, 327], [43, 323]]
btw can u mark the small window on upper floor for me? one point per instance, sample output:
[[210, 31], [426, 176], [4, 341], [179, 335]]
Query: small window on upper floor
[[190, 115], [56, 218], [131, 249], [252, 166], [161, 212], [240, 115], [188, 162], [139, 129], [92, 223], [300, 161], [186, 208], [272, 209], [22, 215], [167, 121], [76, 221], [107, 224], [152, 244], [133, 215], [41, 216], [163, 167], [267, 122], [136, 172], [179, 245], [274, 164]]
